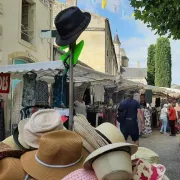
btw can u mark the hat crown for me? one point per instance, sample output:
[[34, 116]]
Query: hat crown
[[68, 20], [60, 148], [44, 121]]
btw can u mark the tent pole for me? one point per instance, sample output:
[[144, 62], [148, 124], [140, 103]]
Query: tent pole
[[71, 89]]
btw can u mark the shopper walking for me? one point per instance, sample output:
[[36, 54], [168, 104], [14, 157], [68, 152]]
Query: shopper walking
[[172, 119], [164, 119], [128, 110]]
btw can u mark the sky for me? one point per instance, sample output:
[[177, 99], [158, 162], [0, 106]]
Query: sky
[[134, 36]]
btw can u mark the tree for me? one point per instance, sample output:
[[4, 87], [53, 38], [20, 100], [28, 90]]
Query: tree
[[151, 65], [163, 63], [163, 16]]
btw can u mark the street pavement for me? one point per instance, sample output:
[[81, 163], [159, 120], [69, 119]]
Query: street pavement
[[168, 149]]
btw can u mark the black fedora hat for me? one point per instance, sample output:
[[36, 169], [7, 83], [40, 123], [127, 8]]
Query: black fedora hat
[[70, 23]]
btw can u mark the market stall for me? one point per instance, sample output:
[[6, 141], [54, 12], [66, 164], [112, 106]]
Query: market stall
[[44, 72]]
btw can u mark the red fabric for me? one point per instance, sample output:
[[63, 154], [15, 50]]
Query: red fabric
[[172, 114]]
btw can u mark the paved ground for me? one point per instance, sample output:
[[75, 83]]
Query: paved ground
[[168, 149]]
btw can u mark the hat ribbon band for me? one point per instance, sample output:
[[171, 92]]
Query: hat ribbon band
[[56, 166], [103, 136]]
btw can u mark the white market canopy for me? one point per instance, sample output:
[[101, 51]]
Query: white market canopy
[[47, 71]]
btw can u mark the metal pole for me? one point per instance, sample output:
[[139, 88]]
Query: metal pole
[[71, 89]]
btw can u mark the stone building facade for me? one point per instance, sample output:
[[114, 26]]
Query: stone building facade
[[21, 22]]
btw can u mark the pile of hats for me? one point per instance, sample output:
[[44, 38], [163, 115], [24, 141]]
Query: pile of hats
[[41, 148]]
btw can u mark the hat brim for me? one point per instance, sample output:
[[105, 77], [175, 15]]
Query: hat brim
[[38, 171], [15, 137], [110, 147], [68, 41]]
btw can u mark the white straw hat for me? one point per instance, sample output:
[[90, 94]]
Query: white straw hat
[[41, 122], [112, 161]]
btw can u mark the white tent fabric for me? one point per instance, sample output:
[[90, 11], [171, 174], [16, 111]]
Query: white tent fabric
[[47, 70]]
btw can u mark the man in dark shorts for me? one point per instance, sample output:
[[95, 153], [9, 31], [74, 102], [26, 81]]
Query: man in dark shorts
[[130, 125]]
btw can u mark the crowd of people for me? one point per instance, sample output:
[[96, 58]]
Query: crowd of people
[[170, 118]]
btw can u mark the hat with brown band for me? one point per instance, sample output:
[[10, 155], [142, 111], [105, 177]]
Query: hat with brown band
[[7, 151], [11, 169], [60, 153], [110, 133]]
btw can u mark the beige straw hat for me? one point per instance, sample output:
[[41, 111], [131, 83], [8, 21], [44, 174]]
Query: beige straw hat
[[110, 133], [112, 161], [87, 132], [59, 153], [11, 169], [10, 142], [41, 122], [7, 151]]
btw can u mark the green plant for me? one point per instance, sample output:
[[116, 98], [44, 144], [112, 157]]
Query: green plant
[[163, 63]]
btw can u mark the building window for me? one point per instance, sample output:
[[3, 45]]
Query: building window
[[28, 21], [107, 53]]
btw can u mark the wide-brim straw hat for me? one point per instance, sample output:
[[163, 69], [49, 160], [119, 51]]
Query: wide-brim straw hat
[[7, 151], [112, 161], [60, 153], [10, 142], [110, 147], [88, 132], [81, 174], [143, 169], [11, 169], [110, 133]]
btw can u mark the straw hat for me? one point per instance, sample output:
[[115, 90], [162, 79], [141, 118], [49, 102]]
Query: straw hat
[[143, 169], [87, 132], [19, 134], [11, 169], [146, 154], [112, 161], [110, 133], [10, 142], [7, 151], [81, 174], [59, 153], [21, 144], [41, 122]]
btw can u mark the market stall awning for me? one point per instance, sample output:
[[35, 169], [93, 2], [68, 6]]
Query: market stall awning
[[47, 70]]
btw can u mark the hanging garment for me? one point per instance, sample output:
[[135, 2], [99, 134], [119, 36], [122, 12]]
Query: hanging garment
[[2, 125], [98, 92], [29, 87], [148, 96], [147, 122], [59, 91], [41, 93], [80, 90], [17, 103], [80, 108]]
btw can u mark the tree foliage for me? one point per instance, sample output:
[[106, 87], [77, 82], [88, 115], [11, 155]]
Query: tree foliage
[[163, 63], [151, 65], [163, 16]]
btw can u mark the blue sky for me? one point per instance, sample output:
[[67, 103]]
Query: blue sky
[[135, 37]]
